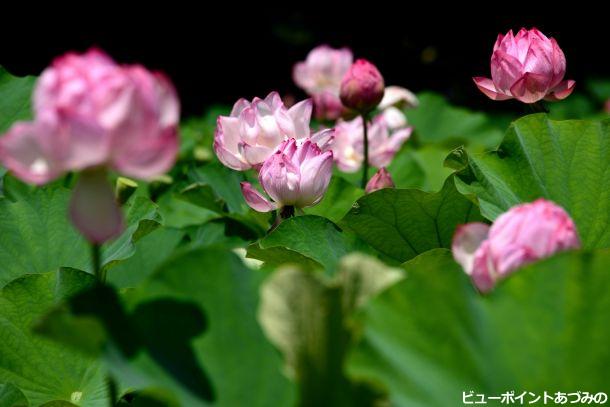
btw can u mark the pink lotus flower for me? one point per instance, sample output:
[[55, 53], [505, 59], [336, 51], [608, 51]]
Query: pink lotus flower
[[297, 175], [320, 76], [254, 131], [384, 141], [527, 67], [90, 115], [523, 235], [380, 180], [91, 112], [362, 87]]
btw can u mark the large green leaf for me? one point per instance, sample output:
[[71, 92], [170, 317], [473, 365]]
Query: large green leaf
[[11, 396], [233, 351], [43, 370], [37, 237], [402, 223], [546, 328], [565, 161], [313, 237], [15, 96]]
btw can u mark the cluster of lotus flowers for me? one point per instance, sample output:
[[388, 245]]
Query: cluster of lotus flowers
[[93, 115]]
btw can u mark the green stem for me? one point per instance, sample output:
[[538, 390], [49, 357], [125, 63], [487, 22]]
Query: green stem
[[96, 256], [365, 164], [112, 391]]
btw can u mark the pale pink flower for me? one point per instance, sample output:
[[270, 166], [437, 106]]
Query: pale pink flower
[[254, 131], [320, 76], [524, 234], [528, 67], [297, 174], [384, 142], [91, 112], [399, 97], [362, 87], [91, 115], [380, 180]]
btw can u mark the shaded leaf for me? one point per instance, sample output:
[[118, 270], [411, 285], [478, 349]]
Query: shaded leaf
[[432, 336]]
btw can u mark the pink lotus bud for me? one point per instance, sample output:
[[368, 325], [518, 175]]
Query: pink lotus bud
[[254, 131], [362, 87], [384, 142], [380, 180], [297, 175], [523, 235], [320, 76], [94, 210], [91, 112], [607, 106], [399, 97], [528, 67]]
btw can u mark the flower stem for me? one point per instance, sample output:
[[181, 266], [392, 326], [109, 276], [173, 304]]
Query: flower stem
[[96, 256], [365, 164], [539, 107], [112, 391], [287, 212]]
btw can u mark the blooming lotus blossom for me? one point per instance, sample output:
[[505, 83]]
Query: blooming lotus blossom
[[380, 180], [524, 234], [362, 87], [92, 114], [320, 76], [384, 142], [254, 131], [296, 175], [528, 67]]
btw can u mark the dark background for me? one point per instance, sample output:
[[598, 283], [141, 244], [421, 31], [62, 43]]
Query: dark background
[[231, 52]]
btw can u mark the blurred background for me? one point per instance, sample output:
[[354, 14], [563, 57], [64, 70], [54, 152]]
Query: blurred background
[[233, 51]]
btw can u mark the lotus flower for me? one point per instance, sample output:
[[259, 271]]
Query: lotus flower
[[362, 87], [384, 141], [528, 67], [296, 175], [524, 234], [320, 76], [380, 180], [91, 115], [254, 131]]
